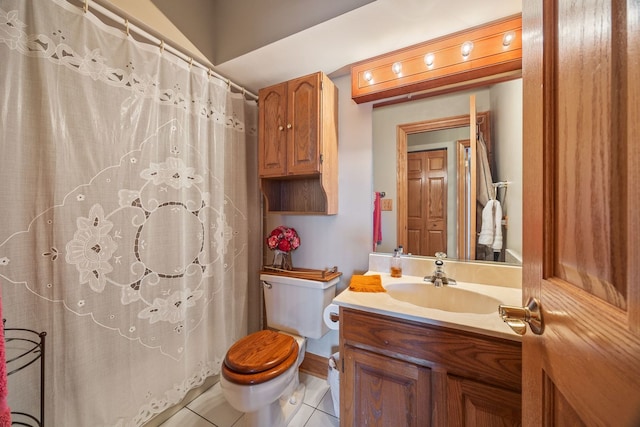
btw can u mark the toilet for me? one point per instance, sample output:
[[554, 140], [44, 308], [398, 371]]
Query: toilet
[[260, 372]]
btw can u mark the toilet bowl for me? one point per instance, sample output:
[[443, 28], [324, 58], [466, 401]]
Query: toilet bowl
[[260, 372], [260, 377]]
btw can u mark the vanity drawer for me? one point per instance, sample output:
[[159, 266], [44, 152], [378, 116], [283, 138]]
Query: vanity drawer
[[483, 358]]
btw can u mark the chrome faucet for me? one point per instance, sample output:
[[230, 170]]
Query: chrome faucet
[[439, 278]]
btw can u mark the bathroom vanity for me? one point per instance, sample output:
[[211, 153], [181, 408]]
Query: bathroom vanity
[[423, 356]]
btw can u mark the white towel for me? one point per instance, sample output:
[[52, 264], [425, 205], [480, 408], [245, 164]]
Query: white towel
[[491, 228], [497, 218]]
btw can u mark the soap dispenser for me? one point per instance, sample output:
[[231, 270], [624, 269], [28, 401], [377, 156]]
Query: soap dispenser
[[396, 264]]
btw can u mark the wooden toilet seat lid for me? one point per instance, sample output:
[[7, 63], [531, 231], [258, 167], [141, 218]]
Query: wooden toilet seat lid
[[259, 357], [260, 351]]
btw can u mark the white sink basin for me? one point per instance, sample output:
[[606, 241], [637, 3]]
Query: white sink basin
[[446, 298]]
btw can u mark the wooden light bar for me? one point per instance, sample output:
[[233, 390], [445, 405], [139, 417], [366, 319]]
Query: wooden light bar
[[406, 71]]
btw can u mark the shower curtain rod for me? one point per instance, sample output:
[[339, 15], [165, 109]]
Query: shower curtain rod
[[130, 23]]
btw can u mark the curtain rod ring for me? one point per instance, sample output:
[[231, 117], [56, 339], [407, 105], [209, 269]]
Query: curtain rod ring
[[190, 62], [209, 74], [161, 46], [86, 6], [126, 26]]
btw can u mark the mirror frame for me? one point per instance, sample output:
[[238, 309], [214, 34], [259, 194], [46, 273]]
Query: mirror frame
[[402, 133]]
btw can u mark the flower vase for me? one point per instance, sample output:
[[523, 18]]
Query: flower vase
[[282, 260]]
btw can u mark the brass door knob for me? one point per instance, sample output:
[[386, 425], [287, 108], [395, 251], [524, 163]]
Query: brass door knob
[[518, 317]]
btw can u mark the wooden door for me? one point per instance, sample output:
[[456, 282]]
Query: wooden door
[[382, 391], [427, 202], [272, 116], [581, 75], [303, 149], [482, 119]]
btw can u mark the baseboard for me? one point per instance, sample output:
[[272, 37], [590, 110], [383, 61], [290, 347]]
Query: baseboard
[[315, 365]]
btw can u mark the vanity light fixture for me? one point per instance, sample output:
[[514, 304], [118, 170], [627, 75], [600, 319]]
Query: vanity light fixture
[[434, 66], [429, 58], [466, 49], [508, 38]]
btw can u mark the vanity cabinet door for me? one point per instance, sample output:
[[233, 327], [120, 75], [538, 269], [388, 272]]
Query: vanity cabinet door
[[382, 391], [471, 403]]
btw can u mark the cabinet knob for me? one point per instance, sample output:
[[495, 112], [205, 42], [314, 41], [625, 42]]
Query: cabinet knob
[[289, 126], [280, 128]]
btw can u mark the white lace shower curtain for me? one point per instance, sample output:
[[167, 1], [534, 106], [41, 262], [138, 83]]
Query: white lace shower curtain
[[129, 215]]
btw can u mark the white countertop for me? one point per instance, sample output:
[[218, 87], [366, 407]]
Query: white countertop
[[486, 324]]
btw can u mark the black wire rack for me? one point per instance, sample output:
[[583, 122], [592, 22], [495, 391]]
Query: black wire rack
[[27, 347]]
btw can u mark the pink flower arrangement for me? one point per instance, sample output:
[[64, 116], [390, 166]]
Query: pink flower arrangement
[[284, 239]]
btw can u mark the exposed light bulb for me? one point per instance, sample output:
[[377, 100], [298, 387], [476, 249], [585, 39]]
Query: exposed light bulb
[[508, 38], [429, 58], [397, 67], [368, 76], [466, 49]]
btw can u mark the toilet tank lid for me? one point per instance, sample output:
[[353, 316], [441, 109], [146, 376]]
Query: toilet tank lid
[[295, 281]]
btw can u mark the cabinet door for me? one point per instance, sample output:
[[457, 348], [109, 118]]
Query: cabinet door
[[303, 126], [272, 154], [471, 403], [377, 390]]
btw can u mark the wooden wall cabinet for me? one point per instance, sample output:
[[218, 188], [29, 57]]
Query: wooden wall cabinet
[[298, 146], [402, 373]]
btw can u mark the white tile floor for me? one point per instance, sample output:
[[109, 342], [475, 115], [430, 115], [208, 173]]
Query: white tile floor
[[211, 409]]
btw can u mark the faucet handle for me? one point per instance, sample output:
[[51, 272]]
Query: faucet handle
[[440, 256]]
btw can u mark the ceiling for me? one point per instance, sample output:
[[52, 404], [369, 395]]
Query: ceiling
[[263, 42], [225, 29]]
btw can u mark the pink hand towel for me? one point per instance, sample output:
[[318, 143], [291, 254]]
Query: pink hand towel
[[377, 221], [5, 412]]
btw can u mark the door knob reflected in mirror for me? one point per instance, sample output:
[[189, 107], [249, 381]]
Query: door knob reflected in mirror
[[518, 317]]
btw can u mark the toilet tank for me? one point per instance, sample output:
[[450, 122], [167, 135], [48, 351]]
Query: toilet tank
[[295, 305]]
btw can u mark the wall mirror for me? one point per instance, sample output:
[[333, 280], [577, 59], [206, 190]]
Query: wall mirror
[[432, 171]]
